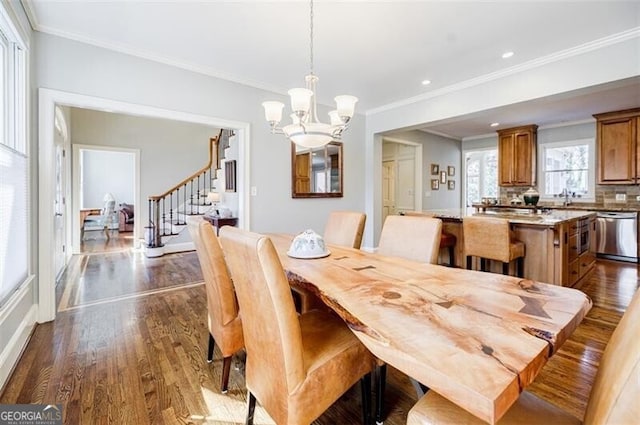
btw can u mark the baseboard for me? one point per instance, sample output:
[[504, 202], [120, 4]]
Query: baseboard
[[169, 249], [178, 247], [11, 353]]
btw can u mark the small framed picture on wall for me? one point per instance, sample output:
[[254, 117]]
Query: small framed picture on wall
[[451, 170], [451, 184], [435, 184], [443, 177], [435, 169]]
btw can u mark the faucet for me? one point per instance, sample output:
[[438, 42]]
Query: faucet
[[566, 194]]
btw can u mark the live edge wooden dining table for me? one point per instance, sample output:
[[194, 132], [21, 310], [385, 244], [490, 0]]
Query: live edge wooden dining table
[[476, 338]]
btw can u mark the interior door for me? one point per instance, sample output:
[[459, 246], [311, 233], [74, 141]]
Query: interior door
[[59, 219], [303, 173], [388, 188], [405, 196]]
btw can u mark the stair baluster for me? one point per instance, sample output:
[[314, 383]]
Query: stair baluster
[[171, 212], [157, 222]]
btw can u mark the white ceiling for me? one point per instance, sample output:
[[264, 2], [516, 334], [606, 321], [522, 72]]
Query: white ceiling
[[379, 51]]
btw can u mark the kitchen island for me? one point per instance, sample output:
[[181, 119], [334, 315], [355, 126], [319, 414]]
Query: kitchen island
[[559, 244]]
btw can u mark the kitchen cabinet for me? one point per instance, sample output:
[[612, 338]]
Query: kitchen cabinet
[[559, 247], [617, 146], [581, 253], [517, 156]]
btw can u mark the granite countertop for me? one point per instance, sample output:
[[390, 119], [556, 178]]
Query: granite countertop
[[582, 206], [550, 218]]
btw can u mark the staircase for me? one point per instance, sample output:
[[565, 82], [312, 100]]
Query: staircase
[[168, 212]]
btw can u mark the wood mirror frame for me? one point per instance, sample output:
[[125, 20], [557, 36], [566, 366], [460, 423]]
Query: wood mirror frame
[[304, 171]]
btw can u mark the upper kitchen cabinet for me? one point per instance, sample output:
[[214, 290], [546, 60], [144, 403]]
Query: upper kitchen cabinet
[[517, 156], [617, 141]]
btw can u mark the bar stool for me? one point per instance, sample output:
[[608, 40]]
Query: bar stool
[[491, 239], [447, 240]]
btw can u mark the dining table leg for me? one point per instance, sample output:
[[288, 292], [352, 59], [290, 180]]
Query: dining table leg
[[420, 388], [381, 382]]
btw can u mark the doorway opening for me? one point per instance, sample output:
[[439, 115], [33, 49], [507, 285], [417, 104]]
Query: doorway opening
[[47, 101], [105, 192], [401, 177]]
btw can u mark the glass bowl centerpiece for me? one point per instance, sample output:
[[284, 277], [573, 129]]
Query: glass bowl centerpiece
[[308, 244]]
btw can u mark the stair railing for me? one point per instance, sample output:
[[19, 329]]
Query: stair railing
[[160, 214]]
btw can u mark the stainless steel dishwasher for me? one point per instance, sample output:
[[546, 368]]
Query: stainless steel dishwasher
[[617, 235]]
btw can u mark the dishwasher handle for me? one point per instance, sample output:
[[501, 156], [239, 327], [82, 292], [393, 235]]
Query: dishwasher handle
[[617, 215]]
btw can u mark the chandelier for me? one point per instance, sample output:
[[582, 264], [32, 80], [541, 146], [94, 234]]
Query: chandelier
[[306, 130]]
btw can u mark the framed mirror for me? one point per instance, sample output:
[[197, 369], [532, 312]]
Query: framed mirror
[[316, 172]]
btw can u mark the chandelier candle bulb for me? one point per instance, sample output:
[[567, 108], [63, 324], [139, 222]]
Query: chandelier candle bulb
[[300, 100], [273, 111], [335, 118], [346, 106]]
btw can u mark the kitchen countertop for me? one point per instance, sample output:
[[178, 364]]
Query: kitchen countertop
[[527, 216], [617, 207]]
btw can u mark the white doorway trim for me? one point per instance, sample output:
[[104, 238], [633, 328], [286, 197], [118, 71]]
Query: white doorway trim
[[418, 168], [75, 185], [47, 100], [63, 128]]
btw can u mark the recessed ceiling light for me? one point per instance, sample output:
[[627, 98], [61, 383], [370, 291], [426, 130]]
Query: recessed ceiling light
[[495, 124], [506, 55], [426, 82]]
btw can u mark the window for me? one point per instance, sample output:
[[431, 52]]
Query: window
[[14, 162], [481, 170], [567, 166]]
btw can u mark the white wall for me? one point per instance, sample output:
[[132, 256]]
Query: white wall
[[80, 68], [169, 150], [444, 152], [106, 172]]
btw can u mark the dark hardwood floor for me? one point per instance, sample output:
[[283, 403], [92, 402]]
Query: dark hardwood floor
[[95, 241], [129, 346]]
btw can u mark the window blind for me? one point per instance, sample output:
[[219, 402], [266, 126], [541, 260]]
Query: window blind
[[14, 232]]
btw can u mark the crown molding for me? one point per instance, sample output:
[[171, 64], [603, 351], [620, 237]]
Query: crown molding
[[542, 127], [526, 66], [439, 133], [143, 54], [27, 6], [567, 124]]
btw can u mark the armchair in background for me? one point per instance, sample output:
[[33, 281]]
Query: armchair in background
[[126, 219]]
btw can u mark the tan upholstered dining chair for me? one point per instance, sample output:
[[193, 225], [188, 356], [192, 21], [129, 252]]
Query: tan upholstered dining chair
[[297, 365], [613, 399], [225, 325], [345, 228], [417, 238], [412, 237]]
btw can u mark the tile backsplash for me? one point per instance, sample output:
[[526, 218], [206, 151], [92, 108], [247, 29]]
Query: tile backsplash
[[605, 195]]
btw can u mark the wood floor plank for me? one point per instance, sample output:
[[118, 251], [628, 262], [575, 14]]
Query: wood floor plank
[[142, 360]]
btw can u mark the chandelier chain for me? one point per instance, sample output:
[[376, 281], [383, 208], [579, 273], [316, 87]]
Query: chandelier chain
[[311, 38]]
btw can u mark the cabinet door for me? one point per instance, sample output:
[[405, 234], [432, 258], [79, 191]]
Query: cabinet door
[[303, 173], [505, 159], [524, 157], [617, 151]]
